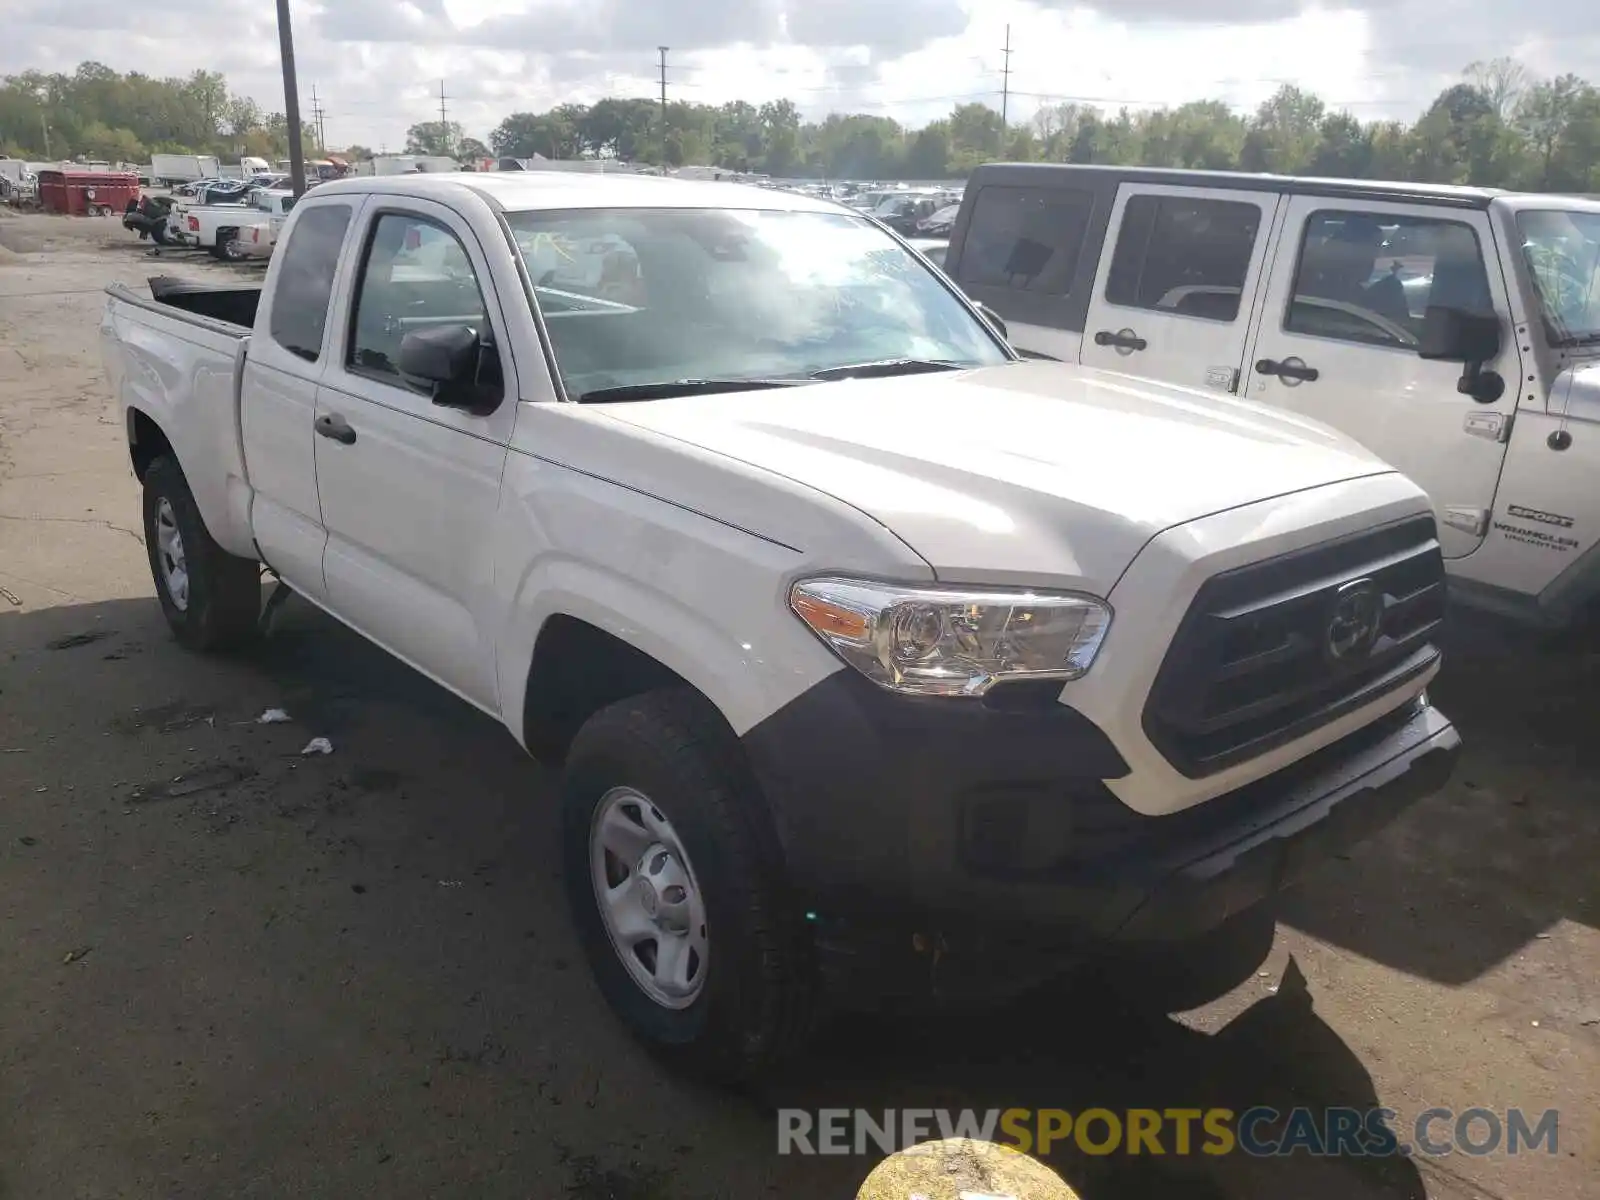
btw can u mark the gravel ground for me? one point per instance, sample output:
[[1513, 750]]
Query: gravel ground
[[226, 970]]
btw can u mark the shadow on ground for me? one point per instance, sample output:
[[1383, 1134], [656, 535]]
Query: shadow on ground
[[1473, 874], [235, 970]]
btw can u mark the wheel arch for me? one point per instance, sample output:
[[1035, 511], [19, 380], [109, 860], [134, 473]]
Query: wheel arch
[[147, 441]]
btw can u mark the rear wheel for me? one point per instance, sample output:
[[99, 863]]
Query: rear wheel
[[225, 248], [211, 599], [676, 889]]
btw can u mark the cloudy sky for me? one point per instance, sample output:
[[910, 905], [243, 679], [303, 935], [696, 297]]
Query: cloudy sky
[[376, 64]]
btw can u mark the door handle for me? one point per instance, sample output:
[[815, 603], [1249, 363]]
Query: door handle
[[1492, 426], [1289, 369], [332, 425], [1123, 339]]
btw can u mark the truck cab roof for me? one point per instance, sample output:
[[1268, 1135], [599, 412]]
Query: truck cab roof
[[520, 191]]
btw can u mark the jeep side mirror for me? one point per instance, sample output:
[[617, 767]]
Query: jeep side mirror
[[1472, 339]]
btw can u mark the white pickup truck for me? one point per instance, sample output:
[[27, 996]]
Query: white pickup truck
[[1453, 331], [218, 227], [258, 237], [874, 655]]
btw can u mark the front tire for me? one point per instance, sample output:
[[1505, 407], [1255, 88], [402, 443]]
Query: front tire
[[676, 890], [211, 599]]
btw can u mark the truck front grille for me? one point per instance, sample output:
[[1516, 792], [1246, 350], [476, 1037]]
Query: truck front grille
[[1271, 651]]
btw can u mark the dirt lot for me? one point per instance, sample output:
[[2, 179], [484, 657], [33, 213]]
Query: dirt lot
[[226, 970]]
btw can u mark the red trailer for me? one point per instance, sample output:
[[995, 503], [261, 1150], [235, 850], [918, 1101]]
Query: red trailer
[[87, 193]]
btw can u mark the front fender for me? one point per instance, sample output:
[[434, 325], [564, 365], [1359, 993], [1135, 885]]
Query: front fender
[[748, 665]]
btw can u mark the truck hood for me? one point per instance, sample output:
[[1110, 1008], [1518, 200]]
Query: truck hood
[[1036, 473]]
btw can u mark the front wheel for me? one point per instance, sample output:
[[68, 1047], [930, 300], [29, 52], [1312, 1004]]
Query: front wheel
[[211, 599], [676, 891]]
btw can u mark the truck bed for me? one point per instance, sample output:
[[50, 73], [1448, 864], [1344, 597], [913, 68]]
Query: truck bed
[[234, 305], [177, 356]]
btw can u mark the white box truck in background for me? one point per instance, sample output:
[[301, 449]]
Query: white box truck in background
[[169, 169]]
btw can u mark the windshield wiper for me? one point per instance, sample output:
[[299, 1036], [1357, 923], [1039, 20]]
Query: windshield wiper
[[888, 366], [1573, 340], [663, 389]]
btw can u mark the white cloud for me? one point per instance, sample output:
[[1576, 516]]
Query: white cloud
[[376, 64]]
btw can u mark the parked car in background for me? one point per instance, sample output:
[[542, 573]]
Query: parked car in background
[[268, 209], [19, 183], [939, 223], [841, 680], [1454, 331], [902, 211], [216, 224]]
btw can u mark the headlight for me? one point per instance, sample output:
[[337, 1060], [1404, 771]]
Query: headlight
[[937, 641]]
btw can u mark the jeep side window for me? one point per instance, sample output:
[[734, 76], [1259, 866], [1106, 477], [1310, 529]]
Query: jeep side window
[[1183, 255], [1370, 277], [1027, 239]]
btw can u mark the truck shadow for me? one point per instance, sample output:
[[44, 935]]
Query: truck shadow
[[1082, 1050], [1470, 876], [426, 805]]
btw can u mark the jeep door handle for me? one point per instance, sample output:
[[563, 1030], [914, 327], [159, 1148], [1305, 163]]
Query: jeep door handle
[[1289, 368], [332, 425], [1123, 340]]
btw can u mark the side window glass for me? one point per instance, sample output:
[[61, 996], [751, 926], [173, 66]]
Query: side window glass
[[416, 276], [1183, 255], [305, 280], [1027, 239], [1371, 277]]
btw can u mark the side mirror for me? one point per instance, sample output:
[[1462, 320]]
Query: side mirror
[[1472, 339], [451, 360], [989, 315], [1455, 335]]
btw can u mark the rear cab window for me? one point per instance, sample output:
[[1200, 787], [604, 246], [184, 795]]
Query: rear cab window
[[1183, 255], [1026, 239], [304, 287]]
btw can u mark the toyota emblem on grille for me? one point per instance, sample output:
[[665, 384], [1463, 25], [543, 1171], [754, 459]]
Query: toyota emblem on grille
[[1356, 621]]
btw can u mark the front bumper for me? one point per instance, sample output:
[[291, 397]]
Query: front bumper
[[961, 825]]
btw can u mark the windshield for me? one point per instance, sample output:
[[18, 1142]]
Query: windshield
[[1562, 248], [644, 296]]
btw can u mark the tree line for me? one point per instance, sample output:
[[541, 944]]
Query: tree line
[[98, 113], [1499, 126]]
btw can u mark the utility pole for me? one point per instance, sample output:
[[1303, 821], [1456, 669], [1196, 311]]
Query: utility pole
[[316, 121], [291, 101], [444, 123], [45, 126], [1005, 81], [663, 50]]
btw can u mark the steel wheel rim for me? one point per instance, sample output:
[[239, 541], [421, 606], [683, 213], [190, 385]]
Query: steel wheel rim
[[170, 555], [649, 898]]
